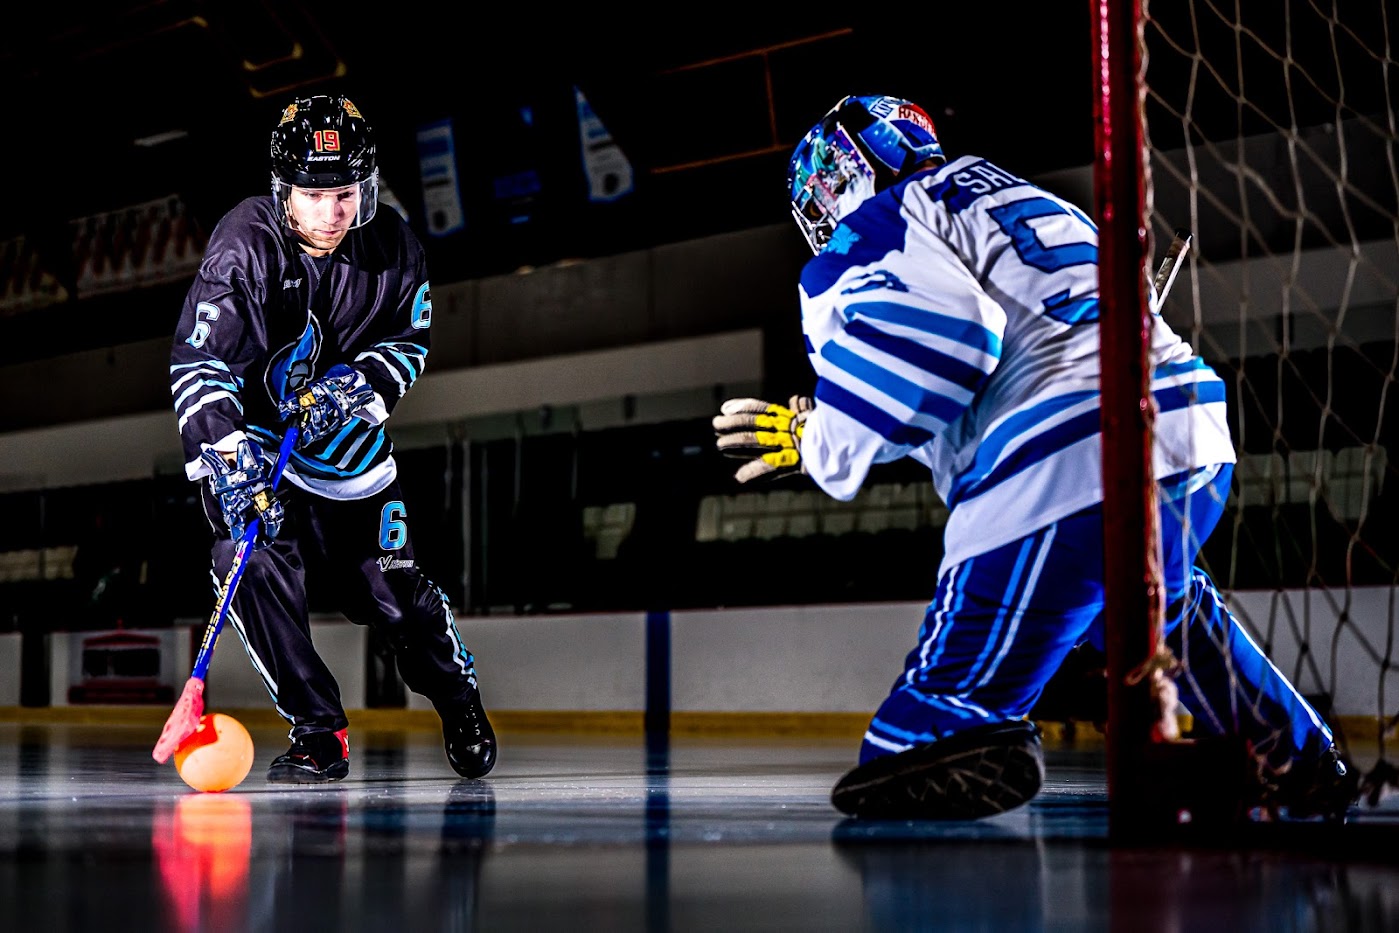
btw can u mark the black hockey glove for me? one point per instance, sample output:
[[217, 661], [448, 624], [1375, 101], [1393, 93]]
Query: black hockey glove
[[765, 434], [244, 492], [327, 404]]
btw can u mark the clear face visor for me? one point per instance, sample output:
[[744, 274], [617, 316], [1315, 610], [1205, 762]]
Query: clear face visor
[[366, 194], [839, 180]]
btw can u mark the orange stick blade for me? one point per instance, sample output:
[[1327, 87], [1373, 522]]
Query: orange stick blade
[[183, 721]]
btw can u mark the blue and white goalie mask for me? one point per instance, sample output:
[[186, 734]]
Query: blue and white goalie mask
[[861, 146]]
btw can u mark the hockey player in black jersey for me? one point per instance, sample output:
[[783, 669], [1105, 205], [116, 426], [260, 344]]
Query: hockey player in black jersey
[[312, 309]]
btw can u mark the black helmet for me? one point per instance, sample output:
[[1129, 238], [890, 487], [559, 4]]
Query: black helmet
[[323, 141]]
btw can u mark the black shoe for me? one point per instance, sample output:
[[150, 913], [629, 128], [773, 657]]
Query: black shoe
[[980, 772], [469, 738], [314, 758], [1326, 787]]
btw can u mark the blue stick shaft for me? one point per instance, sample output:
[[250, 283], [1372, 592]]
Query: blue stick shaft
[[235, 570]]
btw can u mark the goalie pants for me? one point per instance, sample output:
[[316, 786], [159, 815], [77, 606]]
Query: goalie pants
[[364, 548], [1002, 622]]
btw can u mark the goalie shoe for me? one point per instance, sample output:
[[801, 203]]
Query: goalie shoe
[[1325, 788], [980, 772]]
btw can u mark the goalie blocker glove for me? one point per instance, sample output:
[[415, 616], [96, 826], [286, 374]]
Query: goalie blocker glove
[[766, 434], [244, 492], [327, 404]]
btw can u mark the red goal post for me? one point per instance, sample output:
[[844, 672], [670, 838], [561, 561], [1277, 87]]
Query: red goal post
[[1133, 609]]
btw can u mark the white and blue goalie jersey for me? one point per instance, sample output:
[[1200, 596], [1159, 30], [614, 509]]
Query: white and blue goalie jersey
[[953, 318], [263, 318]]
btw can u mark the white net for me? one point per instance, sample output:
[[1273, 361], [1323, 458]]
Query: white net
[[1272, 136]]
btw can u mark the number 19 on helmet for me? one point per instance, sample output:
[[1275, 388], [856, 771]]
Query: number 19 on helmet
[[323, 141]]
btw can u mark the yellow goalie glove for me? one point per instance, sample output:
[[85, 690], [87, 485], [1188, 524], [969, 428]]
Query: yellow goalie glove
[[765, 434]]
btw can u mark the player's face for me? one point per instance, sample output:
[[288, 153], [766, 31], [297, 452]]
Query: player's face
[[322, 216]]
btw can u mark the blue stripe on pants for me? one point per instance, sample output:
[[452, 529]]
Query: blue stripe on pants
[[1002, 622]]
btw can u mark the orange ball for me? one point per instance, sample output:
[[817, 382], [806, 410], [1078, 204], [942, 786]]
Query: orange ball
[[217, 756]]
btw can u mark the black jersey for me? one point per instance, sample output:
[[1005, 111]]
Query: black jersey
[[263, 318]]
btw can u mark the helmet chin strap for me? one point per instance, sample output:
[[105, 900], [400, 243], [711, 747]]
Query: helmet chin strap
[[292, 223]]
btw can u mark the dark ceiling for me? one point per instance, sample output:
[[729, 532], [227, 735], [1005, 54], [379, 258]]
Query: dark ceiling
[[705, 101], [115, 104], [118, 104]]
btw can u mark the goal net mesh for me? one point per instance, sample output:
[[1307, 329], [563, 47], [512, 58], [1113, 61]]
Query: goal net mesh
[[1271, 130]]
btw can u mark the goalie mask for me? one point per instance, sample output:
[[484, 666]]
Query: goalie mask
[[324, 142], [861, 146]]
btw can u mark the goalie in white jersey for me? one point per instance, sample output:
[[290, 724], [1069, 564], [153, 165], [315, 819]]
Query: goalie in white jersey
[[950, 315]]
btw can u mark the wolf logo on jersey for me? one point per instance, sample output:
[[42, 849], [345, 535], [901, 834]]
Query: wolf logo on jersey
[[291, 367]]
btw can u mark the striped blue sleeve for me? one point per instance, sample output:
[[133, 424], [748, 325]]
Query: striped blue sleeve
[[394, 363], [895, 365]]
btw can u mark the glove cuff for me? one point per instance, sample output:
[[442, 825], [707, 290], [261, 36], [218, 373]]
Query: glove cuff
[[249, 464]]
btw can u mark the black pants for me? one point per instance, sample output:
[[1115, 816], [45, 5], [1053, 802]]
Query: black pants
[[364, 547]]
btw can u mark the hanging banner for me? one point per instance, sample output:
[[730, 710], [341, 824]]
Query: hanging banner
[[25, 281], [516, 185], [437, 159], [135, 247], [607, 167]]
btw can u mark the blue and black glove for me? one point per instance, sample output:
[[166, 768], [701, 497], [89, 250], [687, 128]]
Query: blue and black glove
[[245, 492], [325, 405]]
